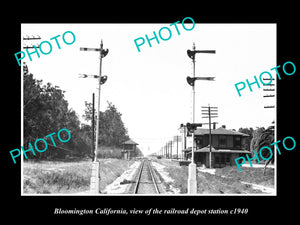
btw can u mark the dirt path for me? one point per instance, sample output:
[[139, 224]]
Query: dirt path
[[166, 178], [122, 184]]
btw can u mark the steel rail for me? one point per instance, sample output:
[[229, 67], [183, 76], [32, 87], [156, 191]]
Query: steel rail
[[138, 177], [153, 178], [136, 187]]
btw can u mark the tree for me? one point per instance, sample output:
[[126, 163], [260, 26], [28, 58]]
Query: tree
[[46, 111], [112, 131], [248, 131], [115, 131], [263, 137], [257, 134], [88, 111]]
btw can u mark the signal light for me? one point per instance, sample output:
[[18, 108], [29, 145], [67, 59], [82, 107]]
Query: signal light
[[191, 54], [191, 80], [193, 126], [189, 127], [103, 79], [104, 52]]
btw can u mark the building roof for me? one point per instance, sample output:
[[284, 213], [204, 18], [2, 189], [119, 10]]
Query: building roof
[[206, 149], [220, 130], [130, 142]]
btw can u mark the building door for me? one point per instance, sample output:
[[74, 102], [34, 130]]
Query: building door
[[220, 160]]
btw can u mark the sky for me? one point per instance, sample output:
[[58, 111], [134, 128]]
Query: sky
[[149, 87]]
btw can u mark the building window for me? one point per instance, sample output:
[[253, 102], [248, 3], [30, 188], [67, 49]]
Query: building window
[[227, 158], [199, 142], [222, 141], [237, 142]]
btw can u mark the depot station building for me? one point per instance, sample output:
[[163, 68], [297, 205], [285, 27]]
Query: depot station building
[[227, 145]]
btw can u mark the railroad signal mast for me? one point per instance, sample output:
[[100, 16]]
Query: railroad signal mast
[[95, 178], [192, 181]]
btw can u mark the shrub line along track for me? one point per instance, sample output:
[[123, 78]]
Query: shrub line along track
[[146, 182]]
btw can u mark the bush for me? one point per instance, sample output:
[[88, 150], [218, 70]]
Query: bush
[[109, 152]]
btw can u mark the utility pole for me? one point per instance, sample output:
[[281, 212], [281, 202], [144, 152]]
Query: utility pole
[[93, 127], [183, 142], [210, 112], [95, 178], [168, 150], [177, 147], [165, 147], [192, 181], [171, 149]]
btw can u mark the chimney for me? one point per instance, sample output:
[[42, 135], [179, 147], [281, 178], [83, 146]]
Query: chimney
[[214, 125], [224, 126]]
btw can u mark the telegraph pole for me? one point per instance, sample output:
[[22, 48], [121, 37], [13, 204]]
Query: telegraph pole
[[210, 112], [98, 110], [168, 150], [171, 143], [93, 127], [183, 142], [177, 147], [95, 178], [165, 147]]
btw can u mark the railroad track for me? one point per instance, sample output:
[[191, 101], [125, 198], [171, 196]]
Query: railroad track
[[146, 182]]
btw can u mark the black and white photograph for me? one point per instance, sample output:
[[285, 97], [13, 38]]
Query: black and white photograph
[[149, 109]]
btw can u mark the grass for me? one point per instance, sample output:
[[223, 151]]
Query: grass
[[48, 177], [227, 180], [180, 177], [213, 184], [250, 175], [176, 172]]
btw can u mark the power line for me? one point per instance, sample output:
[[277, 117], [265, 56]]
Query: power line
[[268, 91]]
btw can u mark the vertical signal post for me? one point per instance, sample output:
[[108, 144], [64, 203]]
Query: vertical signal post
[[95, 178], [192, 182]]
